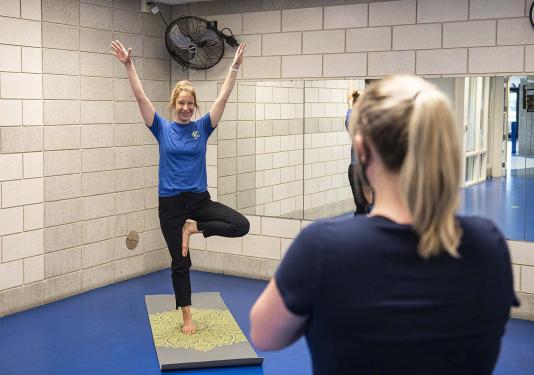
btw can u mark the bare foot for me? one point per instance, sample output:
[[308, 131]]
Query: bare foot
[[188, 327], [187, 230]]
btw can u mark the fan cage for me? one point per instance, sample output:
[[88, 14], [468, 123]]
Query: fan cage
[[194, 42]]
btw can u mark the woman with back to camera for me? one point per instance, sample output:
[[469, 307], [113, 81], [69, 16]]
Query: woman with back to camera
[[182, 187], [412, 288]]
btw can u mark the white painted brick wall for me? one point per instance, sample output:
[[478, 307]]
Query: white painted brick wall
[[496, 59], [442, 61], [33, 217], [262, 246], [30, 9], [469, 34], [345, 16], [331, 41], [22, 245], [33, 269], [302, 66], [514, 31], [22, 192], [20, 32], [31, 60], [302, 19], [392, 13], [281, 44], [33, 164], [369, 39], [527, 279], [11, 58], [10, 167], [262, 67], [442, 11], [482, 9], [20, 86], [388, 63], [11, 220], [11, 274], [10, 9], [417, 37], [261, 22], [11, 110]]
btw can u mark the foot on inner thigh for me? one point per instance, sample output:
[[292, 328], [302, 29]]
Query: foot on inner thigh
[[187, 230]]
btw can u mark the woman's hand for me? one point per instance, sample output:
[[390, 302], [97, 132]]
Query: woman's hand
[[121, 53], [238, 58]]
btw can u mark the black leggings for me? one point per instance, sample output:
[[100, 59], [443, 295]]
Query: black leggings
[[213, 219], [361, 207]]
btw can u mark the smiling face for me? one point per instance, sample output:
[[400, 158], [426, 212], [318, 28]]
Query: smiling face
[[185, 107]]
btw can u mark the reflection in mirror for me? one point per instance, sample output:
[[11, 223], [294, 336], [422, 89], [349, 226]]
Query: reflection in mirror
[[284, 150], [493, 175], [260, 150], [494, 180], [521, 125], [327, 148]]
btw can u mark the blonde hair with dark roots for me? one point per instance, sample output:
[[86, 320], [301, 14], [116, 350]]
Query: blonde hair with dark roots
[[182, 86], [412, 127]]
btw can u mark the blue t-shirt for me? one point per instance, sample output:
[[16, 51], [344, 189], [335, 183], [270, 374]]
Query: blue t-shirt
[[182, 155], [353, 158], [375, 306]]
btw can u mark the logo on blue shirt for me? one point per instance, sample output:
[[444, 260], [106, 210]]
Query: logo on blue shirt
[[195, 134]]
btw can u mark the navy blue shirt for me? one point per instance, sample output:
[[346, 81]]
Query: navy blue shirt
[[182, 155], [375, 306]]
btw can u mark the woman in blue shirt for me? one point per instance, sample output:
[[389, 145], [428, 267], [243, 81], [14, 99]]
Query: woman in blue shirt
[[412, 288], [182, 187]]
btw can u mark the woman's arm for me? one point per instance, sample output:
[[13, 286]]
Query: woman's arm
[[217, 108], [145, 106], [273, 326]]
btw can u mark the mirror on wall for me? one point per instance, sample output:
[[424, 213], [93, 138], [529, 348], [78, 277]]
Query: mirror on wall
[[327, 148], [260, 153], [285, 152]]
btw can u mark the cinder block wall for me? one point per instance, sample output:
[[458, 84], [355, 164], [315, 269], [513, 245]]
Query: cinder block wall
[[78, 170]]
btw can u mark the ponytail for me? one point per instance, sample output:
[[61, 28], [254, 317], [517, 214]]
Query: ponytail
[[430, 174], [413, 130]]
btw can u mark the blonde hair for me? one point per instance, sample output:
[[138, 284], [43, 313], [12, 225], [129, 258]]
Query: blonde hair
[[182, 86], [412, 127]]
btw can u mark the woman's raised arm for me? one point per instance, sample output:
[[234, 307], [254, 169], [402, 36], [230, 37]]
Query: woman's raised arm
[[145, 105], [217, 108]]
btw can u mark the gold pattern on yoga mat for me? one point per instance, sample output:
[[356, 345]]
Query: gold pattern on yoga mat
[[213, 328]]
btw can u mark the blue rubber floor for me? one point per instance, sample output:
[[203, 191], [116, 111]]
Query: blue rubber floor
[[106, 331]]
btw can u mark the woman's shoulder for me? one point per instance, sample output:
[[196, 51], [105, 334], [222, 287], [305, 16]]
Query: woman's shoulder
[[480, 232], [339, 228], [161, 120], [203, 118], [476, 225]]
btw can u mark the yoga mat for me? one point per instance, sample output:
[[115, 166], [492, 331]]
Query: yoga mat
[[218, 340]]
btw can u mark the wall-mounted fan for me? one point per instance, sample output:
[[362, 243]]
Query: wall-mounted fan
[[193, 42], [196, 43]]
